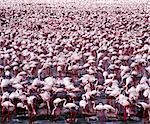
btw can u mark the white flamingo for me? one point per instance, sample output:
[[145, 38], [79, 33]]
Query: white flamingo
[[4, 83], [56, 111], [30, 101], [9, 107], [46, 98], [83, 102]]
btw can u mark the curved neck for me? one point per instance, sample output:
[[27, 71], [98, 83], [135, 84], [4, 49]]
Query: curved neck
[[55, 106], [53, 111], [64, 104], [94, 105], [83, 97]]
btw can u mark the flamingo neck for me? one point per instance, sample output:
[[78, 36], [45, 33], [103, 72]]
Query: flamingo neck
[[94, 106], [83, 97], [54, 109], [64, 104]]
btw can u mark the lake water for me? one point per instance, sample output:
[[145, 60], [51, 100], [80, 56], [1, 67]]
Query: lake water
[[80, 121]]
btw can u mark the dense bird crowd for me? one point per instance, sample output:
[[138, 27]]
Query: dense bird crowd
[[92, 62]]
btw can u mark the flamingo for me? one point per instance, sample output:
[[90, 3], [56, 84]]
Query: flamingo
[[99, 108], [71, 106], [57, 101], [46, 98], [83, 102], [5, 96], [56, 111], [146, 106], [8, 106], [123, 100], [22, 106], [30, 101], [146, 92], [105, 74], [4, 83]]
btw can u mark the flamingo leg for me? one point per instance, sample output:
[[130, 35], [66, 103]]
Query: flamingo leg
[[125, 114], [71, 117], [48, 105], [100, 117], [149, 115], [28, 111], [116, 113], [3, 115], [39, 76], [111, 101], [104, 116], [2, 90], [144, 116], [60, 75], [33, 109], [8, 115], [74, 115]]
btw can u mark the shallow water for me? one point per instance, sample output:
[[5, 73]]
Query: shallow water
[[63, 122], [80, 121]]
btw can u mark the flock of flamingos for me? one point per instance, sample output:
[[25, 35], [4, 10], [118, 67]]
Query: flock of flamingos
[[77, 62]]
